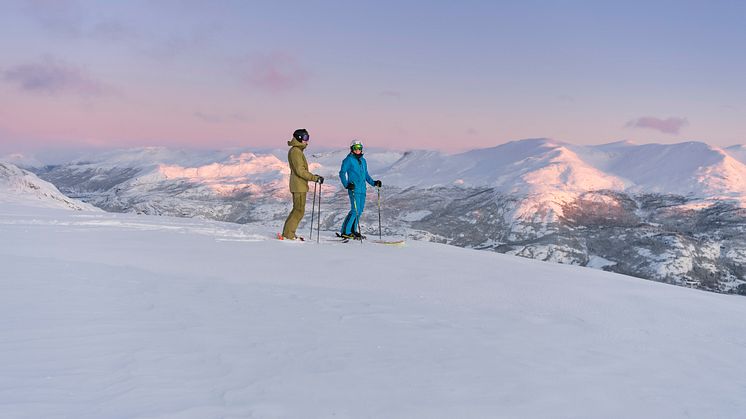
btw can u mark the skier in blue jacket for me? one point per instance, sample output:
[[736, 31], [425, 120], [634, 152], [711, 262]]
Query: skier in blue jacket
[[354, 175]]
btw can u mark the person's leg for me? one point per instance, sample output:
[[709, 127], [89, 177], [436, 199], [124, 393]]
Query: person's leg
[[360, 204], [299, 209], [347, 224], [349, 221]]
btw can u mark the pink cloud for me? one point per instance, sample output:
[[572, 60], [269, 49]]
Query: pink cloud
[[276, 72], [52, 76], [670, 125]]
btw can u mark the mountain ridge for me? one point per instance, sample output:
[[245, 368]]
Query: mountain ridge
[[18, 186]]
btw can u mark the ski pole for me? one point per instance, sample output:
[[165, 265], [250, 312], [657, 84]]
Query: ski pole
[[313, 210], [318, 228], [380, 235]]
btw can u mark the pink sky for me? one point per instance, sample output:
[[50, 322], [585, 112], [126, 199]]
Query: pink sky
[[77, 74]]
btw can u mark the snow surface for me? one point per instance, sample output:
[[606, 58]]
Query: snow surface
[[122, 316]]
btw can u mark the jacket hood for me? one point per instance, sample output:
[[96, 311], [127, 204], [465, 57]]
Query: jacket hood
[[296, 143]]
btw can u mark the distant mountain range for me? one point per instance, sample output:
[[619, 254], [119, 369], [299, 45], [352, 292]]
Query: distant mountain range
[[672, 213]]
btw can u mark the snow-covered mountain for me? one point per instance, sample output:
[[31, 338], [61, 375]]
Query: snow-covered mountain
[[20, 159], [19, 186], [738, 152], [526, 167], [674, 213], [544, 166], [116, 315]]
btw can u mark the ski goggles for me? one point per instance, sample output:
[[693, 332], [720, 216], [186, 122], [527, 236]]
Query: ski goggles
[[305, 137], [357, 147]]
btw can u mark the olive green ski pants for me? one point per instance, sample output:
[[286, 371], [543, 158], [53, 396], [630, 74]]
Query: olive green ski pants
[[296, 214]]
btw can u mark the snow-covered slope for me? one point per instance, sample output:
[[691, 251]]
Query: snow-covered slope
[[114, 315], [738, 152], [22, 187]]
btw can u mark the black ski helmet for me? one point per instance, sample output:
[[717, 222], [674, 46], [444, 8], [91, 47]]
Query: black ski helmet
[[301, 134]]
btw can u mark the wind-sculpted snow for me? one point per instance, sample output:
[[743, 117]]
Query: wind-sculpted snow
[[624, 203], [108, 315]]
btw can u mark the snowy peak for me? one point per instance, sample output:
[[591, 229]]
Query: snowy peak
[[552, 167], [738, 152], [18, 186], [246, 171], [527, 167], [692, 168]]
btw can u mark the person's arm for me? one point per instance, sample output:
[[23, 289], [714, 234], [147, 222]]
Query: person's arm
[[343, 173]]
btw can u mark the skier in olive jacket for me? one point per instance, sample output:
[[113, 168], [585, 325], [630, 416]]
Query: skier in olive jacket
[[354, 175], [299, 178]]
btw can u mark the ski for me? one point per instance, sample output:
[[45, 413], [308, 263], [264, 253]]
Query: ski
[[390, 242], [346, 239]]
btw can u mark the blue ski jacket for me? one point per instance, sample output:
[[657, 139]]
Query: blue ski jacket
[[355, 170]]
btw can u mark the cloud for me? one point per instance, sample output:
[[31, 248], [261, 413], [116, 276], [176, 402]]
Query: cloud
[[276, 72], [670, 125], [52, 76], [206, 117], [391, 93]]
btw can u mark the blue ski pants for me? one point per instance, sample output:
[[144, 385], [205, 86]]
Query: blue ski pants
[[351, 223]]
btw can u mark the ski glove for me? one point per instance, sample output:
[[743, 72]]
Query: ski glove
[[377, 183], [350, 186], [320, 180]]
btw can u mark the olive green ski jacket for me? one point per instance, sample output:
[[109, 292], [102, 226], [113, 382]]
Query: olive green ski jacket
[[299, 174]]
